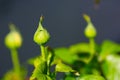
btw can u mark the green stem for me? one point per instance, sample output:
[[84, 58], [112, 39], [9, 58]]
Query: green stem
[[44, 56], [43, 52], [15, 61], [92, 46]]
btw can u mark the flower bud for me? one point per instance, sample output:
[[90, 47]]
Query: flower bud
[[13, 39], [41, 35], [90, 30]]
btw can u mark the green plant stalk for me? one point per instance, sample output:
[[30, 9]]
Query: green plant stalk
[[43, 52], [44, 56], [15, 61], [92, 48]]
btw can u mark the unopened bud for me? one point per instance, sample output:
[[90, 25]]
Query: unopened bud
[[90, 30], [41, 36], [13, 39]]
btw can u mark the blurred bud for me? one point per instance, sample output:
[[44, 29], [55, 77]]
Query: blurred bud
[[41, 36], [97, 2], [90, 30], [11, 75], [13, 39]]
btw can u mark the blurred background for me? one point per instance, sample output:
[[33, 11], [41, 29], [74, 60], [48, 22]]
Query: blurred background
[[63, 20]]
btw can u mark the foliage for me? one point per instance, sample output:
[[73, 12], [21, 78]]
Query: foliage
[[80, 61]]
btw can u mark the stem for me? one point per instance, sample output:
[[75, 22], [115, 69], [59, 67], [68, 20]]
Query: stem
[[44, 56], [43, 52], [92, 46], [15, 61]]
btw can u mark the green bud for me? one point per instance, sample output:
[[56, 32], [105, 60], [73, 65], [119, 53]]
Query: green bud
[[41, 35], [13, 39], [90, 30]]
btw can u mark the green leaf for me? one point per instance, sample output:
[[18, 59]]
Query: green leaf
[[41, 77], [40, 68], [65, 55], [80, 48], [60, 67], [31, 60], [50, 56], [111, 67], [108, 47], [70, 78], [92, 67], [91, 77]]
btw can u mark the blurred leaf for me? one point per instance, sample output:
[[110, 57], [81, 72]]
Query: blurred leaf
[[82, 50], [60, 67], [41, 77], [92, 67], [70, 78], [92, 77], [31, 60], [111, 67], [65, 55], [108, 47], [79, 48]]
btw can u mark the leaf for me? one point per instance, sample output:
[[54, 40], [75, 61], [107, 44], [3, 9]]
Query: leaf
[[60, 67], [41, 77], [92, 67], [111, 67], [79, 48], [82, 50], [108, 47], [40, 68], [31, 60], [65, 55], [91, 77], [70, 78], [50, 56]]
